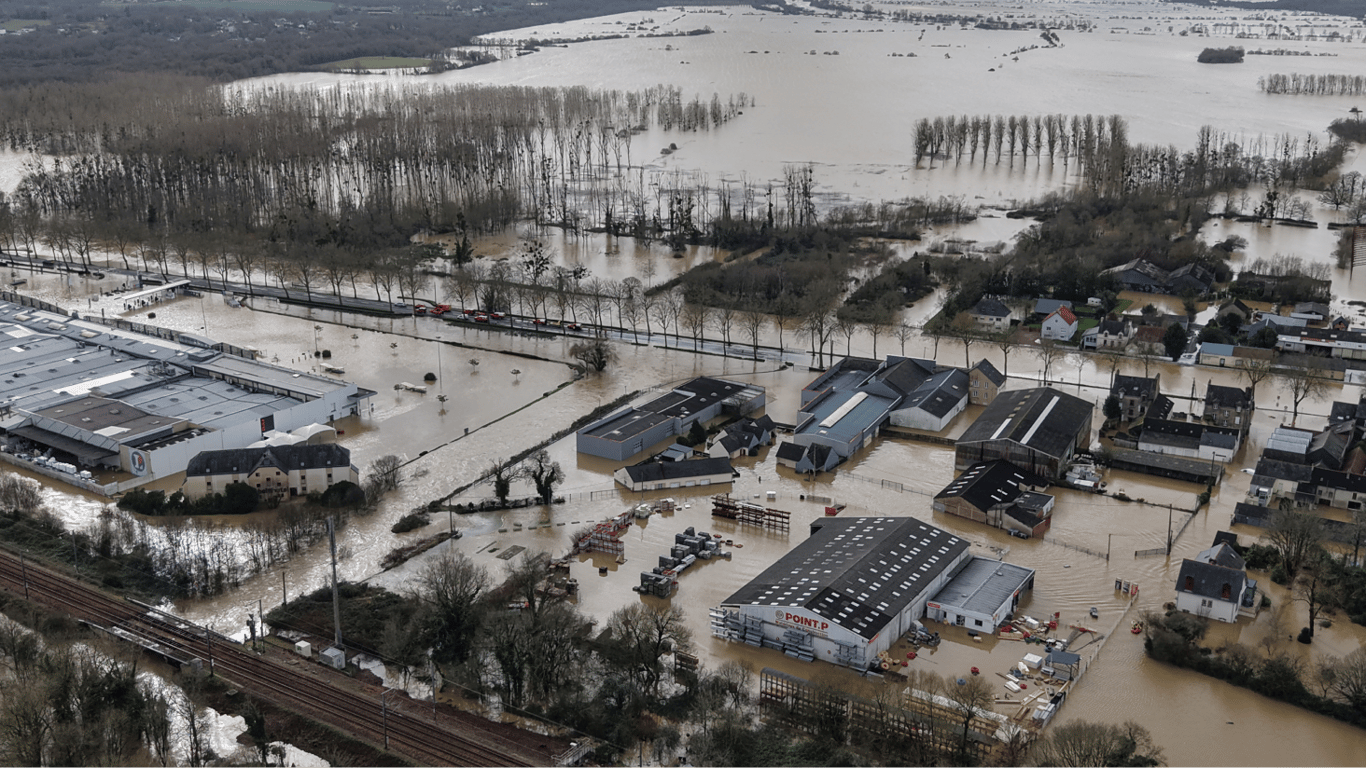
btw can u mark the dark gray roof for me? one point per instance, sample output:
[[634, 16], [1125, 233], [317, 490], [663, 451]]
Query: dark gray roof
[[858, 572], [1329, 447], [994, 376], [940, 393], [1042, 418], [1161, 407], [1135, 386], [991, 308], [905, 376], [655, 471], [1113, 327], [790, 451], [1284, 470], [1306, 307], [1046, 306], [1139, 272], [1207, 580], [1342, 481], [990, 483], [284, 457], [1342, 412], [1222, 555], [1227, 397]]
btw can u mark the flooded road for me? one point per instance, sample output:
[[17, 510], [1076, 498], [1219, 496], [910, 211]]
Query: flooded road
[[858, 138]]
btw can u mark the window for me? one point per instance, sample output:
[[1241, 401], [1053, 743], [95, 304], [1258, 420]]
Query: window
[[1206, 603], [1226, 593], [978, 622], [1190, 583]]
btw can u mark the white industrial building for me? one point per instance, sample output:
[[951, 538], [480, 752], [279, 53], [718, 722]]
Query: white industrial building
[[136, 403], [847, 593], [981, 595]]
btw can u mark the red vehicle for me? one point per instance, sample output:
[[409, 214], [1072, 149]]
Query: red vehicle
[[497, 315], [438, 311], [539, 321], [470, 311], [443, 307], [573, 326], [419, 310], [481, 318]]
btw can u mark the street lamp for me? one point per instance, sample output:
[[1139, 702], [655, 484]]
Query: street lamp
[[317, 329]]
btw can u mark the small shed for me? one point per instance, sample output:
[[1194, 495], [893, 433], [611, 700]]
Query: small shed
[[334, 658], [304, 649]]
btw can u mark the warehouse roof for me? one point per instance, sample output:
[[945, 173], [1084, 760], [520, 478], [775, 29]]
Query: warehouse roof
[[858, 572], [677, 470], [983, 585], [939, 394], [1042, 418], [990, 483]]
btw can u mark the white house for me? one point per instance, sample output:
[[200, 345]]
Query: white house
[[280, 470], [991, 315], [1060, 325], [657, 475], [1215, 585]]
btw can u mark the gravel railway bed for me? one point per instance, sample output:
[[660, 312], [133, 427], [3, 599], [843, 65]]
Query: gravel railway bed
[[341, 706]]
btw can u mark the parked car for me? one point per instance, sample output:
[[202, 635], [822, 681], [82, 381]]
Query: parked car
[[573, 326], [443, 307], [419, 310], [470, 311], [539, 321], [497, 315], [481, 318]]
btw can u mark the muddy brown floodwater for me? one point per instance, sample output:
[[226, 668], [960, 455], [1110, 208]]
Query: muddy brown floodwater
[[1197, 720]]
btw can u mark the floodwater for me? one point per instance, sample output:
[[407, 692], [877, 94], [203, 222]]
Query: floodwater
[[851, 116]]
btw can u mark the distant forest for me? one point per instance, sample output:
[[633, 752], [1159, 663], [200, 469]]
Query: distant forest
[[83, 40], [1354, 8]]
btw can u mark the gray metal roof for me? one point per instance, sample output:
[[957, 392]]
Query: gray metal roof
[[983, 585], [1042, 418], [990, 483], [654, 471], [858, 572], [842, 416], [939, 394]]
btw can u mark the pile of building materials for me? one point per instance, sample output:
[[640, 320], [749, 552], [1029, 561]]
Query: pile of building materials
[[688, 548], [605, 537], [745, 513]]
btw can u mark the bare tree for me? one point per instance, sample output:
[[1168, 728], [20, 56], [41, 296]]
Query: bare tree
[[1255, 371], [1049, 355], [903, 333], [1311, 588], [973, 699], [543, 473], [752, 320], [1304, 383], [640, 637], [595, 353], [1295, 535], [456, 588], [1082, 743]]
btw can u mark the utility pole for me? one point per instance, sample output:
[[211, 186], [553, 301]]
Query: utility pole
[[336, 601], [1169, 530], [208, 639], [23, 565], [284, 590]]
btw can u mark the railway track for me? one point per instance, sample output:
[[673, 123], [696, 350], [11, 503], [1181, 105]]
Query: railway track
[[341, 706]]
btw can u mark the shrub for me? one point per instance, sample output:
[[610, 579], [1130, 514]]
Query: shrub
[[411, 522]]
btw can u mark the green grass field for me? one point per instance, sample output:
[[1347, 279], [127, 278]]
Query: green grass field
[[281, 6], [17, 24], [378, 62]]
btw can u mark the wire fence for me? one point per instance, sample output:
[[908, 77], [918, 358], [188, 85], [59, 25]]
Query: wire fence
[[890, 485], [1102, 555], [1150, 552]]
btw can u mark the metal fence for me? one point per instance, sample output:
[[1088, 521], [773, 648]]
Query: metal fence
[[1155, 551], [890, 485], [1079, 548]]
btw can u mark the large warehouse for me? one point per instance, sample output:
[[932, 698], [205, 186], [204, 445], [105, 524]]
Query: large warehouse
[[849, 591], [632, 430], [139, 401], [1037, 430]]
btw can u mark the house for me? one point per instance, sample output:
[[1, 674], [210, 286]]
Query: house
[[933, 404], [1045, 307], [274, 471], [1340, 323], [1113, 334], [1228, 406], [807, 458], [1234, 307], [1001, 495], [1060, 325], [742, 437], [991, 315], [1191, 440], [984, 382], [1274, 480], [1214, 584], [658, 475], [1135, 394], [1036, 429], [1310, 312], [1147, 340], [1140, 275]]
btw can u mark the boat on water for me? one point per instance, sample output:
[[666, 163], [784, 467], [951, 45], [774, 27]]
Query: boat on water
[[1095, 614]]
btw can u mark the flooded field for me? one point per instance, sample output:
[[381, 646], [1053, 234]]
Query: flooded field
[[850, 115]]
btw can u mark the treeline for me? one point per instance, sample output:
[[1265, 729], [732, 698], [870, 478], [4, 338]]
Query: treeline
[[1313, 84], [66, 703], [86, 40], [1111, 165], [1230, 55], [183, 557]]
